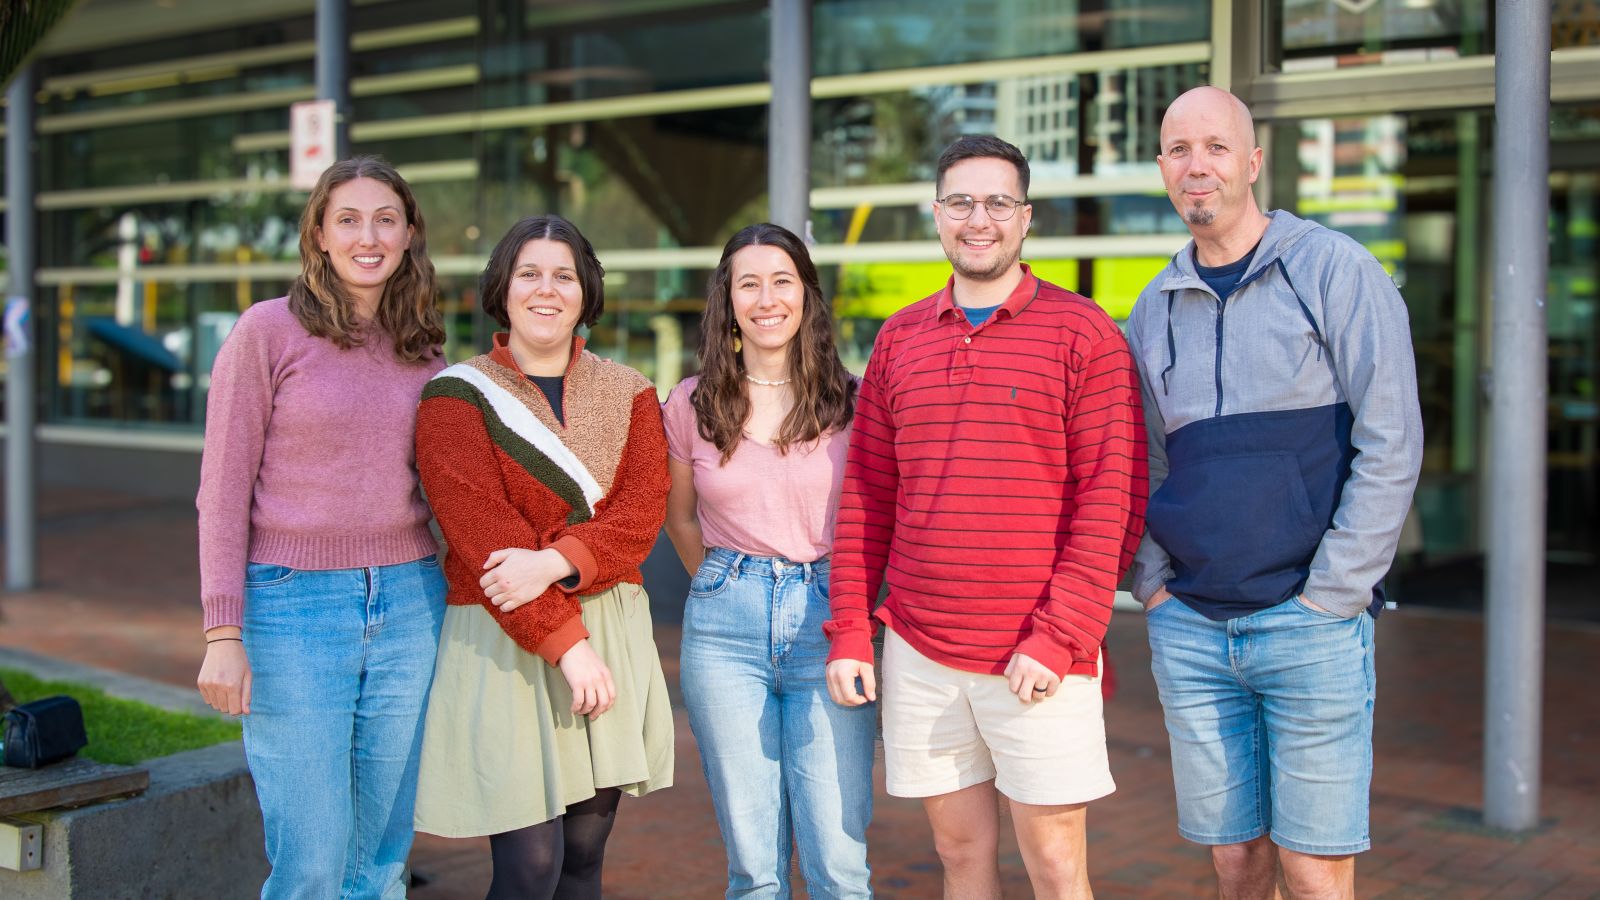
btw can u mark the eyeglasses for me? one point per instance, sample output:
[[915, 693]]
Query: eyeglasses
[[999, 206]]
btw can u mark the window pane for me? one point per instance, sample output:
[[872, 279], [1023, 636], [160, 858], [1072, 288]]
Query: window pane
[[854, 36], [1333, 34], [1100, 123], [549, 55], [1327, 34], [1415, 190]]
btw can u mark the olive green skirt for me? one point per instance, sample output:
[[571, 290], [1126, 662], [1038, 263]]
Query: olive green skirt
[[501, 749]]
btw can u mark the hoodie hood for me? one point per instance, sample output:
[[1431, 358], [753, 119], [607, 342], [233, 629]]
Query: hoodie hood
[[1284, 231]]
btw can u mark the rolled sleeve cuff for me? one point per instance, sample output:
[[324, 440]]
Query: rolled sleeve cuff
[[561, 640], [578, 554]]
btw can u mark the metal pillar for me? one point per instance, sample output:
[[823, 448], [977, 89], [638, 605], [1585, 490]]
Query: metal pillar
[[21, 540], [333, 66], [789, 117], [1517, 398]]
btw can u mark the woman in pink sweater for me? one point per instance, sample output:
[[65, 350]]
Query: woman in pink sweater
[[319, 580]]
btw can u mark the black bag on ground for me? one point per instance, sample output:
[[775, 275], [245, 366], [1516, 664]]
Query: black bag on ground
[[44, 731]]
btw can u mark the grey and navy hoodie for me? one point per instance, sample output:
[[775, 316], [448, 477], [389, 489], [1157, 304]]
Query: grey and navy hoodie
[[1285, 434]]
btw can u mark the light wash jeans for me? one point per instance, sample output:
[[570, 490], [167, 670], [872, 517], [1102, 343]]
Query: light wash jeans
[[1270, 721], [782, 759], [342, 661]]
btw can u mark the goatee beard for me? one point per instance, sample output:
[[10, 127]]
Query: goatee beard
[[1200, 215]]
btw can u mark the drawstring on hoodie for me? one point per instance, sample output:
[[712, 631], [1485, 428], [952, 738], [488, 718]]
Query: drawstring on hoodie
[[1172, 349], [1172, 344], [1304, 310]]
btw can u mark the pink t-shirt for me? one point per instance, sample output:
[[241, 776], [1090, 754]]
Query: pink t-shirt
[[761, 502]]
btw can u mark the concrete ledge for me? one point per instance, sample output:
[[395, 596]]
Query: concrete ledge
[[195, 833]]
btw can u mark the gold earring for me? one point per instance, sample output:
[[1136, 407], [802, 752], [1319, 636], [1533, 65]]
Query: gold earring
[[737, 344]]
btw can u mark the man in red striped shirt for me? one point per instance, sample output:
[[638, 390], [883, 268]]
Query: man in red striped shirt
[[997, 475]]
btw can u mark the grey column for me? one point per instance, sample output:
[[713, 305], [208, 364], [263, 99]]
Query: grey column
[[1517, 398], [21, 540], [789, 116], [333, 65]]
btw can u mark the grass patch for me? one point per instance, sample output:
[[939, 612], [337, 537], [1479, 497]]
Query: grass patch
[[125, 731]]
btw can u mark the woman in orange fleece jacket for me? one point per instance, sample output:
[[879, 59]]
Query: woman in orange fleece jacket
[[547, 470]]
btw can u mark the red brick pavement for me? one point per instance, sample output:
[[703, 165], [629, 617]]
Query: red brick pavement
[[119, 587]]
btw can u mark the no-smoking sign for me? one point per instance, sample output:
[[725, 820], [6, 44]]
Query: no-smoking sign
[[311, 142]]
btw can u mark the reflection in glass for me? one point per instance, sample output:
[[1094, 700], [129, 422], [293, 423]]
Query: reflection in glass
[[1414, 189], [242, 227], [1326, 34], [678, 180], [557, 52], [855, 36], [1072, 124], [1334, 34]]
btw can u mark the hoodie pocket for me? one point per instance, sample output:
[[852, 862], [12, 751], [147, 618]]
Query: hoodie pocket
[[1239, 527]]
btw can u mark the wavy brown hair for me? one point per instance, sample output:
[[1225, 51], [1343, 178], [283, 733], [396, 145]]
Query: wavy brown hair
[[408, 311], [824, 393]]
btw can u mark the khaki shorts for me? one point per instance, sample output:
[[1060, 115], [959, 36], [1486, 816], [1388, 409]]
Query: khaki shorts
[[945, 729]]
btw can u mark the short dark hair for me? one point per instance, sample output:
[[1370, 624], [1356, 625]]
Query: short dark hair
[[982, 146], [495, 282]]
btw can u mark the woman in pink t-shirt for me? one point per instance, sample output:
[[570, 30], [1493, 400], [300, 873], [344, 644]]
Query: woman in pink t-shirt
[[756, 449]]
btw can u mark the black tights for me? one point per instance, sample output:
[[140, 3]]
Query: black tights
[[558, 859]]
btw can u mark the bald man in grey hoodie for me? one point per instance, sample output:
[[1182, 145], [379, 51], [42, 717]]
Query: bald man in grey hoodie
[[1280, 395]]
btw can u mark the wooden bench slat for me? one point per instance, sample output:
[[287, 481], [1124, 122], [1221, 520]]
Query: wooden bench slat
[[70, 783]]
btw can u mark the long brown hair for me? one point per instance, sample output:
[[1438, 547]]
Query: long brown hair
[[408, 311], [824, 393]]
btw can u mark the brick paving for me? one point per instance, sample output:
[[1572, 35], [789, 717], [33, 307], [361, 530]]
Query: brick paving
[[119, 587]]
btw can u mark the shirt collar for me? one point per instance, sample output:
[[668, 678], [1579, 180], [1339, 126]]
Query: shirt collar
[[501, 352], [1027, 288]]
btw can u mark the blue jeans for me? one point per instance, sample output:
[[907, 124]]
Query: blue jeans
[[341, 661], [1270, 721], [782, 759]]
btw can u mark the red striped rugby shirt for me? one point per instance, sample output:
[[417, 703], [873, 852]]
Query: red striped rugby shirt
[[998, 476]]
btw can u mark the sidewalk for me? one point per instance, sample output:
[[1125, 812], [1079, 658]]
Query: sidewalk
[[119, 587]]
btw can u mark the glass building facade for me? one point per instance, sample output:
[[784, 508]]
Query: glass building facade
[[164, 205]]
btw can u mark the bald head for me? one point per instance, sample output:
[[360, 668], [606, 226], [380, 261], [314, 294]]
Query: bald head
[[1208, 161], [1219, 112]]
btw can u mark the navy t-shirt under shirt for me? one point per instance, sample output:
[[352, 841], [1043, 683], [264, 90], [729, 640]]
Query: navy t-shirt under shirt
[[1223, 279], [976, 317], [550, 386]]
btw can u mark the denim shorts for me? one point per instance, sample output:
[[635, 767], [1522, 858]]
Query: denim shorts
[[1270, 721]]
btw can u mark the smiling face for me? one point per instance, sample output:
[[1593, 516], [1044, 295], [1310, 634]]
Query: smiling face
[[543, 301], [365, 234], [978, 247], [1209, 159], [768, 298]]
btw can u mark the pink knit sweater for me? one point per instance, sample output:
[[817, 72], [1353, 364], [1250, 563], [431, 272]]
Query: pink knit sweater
[[308, 457]]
